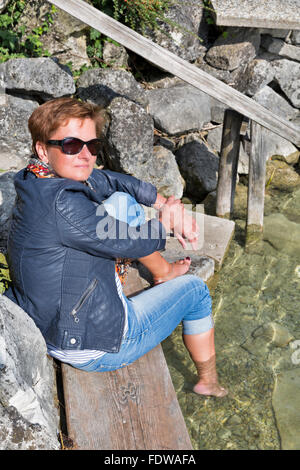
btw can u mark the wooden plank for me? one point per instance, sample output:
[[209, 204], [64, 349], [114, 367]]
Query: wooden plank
[[256, 182], [181, 68], [228, 163], [132, 408]]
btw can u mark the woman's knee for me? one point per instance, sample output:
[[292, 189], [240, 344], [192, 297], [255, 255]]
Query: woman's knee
[[199, 294], [124, 207]]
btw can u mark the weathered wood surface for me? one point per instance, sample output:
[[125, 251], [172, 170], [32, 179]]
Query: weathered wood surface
[[256, 182], [132, 408], [228, 163], [181, 68]]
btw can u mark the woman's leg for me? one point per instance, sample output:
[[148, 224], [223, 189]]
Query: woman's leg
[[202, 351], [154, 314], [163, 271]]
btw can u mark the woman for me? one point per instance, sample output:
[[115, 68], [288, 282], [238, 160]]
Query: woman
[[68, 228]]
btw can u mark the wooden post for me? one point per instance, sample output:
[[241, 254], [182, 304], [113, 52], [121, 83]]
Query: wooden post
[[256, 185], [228, 164]]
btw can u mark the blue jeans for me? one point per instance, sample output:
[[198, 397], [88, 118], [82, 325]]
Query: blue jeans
[[156, 312]]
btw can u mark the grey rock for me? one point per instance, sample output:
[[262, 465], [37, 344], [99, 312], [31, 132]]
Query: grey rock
[[199, 167], [102, 86], [7, 201], [238, 47], [223, 75], [274, 333], [295, 38], [286, 405], [41, 77], [281, 48], [130, 137], [276, 33], [3, 4], [115, 55], [286, 74], [271, 100], [15, 138], [28, 412], [282, 234], [179, 109], [188, 40], [163, 172], [254, 76]]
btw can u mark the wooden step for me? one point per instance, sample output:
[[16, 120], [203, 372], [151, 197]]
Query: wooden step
[[132, 408], [257, 14]]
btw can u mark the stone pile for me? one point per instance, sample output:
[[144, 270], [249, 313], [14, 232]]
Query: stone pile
[[162, 131]]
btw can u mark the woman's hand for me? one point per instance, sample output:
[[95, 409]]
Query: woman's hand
[[175, 218]]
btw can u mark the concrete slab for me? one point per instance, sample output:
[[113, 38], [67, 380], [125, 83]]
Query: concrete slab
[[258, 13]]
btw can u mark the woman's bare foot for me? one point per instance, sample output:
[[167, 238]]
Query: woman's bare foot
[[210, 389], [178, 268]]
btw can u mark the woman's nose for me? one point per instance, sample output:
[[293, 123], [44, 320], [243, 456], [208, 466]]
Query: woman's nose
[[84, 153]]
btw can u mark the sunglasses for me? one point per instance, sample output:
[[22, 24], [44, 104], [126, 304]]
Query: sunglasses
[[72, 145]]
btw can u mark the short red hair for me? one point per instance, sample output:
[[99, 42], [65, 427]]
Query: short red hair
[[48, 117]]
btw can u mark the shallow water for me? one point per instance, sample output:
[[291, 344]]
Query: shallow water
[[252, 289]]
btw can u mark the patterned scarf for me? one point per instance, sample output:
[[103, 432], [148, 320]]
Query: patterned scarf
[[42, 170]]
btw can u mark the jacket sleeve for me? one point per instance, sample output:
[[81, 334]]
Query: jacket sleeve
[[86, 226], [106, 182]]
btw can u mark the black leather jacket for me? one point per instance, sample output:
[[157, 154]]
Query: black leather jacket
[[61, 253]]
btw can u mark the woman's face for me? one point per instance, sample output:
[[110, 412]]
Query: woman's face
[[76, 167]]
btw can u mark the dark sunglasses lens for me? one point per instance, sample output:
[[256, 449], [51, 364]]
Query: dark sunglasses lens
[[72, 146], [94, 146]]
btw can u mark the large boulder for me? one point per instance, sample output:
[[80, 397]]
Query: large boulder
[[7, 201], [239, 46], [40, 77], [163, 172], [185, 30], [129, 136], [199, 168], [271, 100], [254, 76], [179, 109], [15, 139], [28, 413], [286, 74], [101, 86]]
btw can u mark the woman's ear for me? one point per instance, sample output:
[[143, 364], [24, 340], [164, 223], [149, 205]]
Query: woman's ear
[[41, 151]]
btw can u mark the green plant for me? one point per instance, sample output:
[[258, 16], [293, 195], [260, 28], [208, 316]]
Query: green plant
[[14, 40], [137, 14]]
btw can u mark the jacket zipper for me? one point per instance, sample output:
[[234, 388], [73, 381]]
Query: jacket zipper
[[83, 299]]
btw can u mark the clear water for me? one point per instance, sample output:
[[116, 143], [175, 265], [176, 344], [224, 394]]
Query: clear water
[[252, 289]]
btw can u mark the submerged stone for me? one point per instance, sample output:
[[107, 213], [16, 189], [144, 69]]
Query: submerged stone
[[286, 404], [282, 234]]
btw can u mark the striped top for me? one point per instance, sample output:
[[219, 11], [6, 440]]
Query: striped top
[[85, 355]]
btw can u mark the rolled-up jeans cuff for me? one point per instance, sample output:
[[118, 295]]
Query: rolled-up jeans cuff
[[195, 327]]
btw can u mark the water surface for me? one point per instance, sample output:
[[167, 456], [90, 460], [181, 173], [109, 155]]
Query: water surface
[[252, 289]]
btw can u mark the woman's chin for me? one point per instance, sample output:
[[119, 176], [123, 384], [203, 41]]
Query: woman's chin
[[78, 174]]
